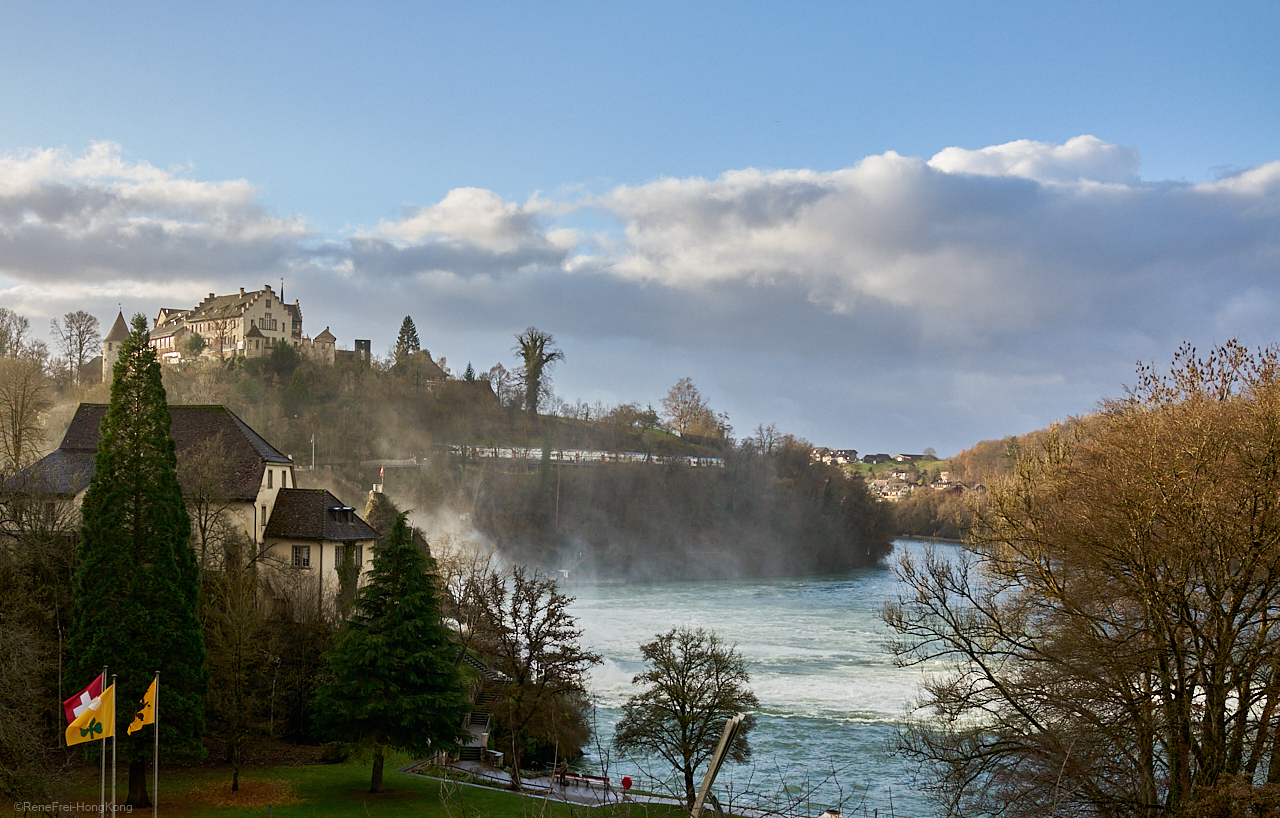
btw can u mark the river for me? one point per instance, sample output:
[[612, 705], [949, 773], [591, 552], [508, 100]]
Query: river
[[831, 698]]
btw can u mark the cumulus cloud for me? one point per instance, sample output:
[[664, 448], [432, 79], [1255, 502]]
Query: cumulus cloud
[[470, 232], [1012, 284], [100, 216], [969, 240], [1079, 159]]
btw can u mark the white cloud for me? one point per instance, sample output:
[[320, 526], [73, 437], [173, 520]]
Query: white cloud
[[470, 232], [467, 213], [1079, 159], [101, 216], [987, 286], [984, 255]]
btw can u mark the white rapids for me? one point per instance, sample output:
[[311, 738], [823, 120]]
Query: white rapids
[[831, 698]]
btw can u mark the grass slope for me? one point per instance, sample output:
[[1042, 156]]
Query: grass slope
[[330, 790]]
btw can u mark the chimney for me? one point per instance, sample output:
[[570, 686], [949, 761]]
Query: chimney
[[242, 292], [212, 296], [266, 287]]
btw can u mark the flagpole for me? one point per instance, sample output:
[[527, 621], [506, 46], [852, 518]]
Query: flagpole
[[113, 744], [155, 765], [102, 792]]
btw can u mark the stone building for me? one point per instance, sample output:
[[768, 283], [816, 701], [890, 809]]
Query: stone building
[[244, 323], [111, 346]]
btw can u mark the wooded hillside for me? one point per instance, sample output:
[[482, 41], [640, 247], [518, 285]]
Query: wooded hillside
[[768, 511]]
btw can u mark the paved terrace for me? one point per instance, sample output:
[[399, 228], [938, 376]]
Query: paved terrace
[[595, 794]]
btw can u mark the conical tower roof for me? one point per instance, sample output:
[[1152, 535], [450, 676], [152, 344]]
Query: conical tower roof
[[119, 330]]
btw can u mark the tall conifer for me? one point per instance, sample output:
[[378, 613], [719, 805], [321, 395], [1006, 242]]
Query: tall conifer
[[407, 341], [394, 679], [137, 584]]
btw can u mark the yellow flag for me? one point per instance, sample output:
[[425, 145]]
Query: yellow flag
[[146, 709], [97, 721]]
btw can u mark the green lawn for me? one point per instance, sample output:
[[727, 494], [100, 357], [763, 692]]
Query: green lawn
[[323, 790]]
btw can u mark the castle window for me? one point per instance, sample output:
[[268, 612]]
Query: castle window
[[268, 478], [302, 556]]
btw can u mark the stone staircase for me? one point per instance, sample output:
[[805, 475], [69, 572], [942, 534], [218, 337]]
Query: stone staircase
[[478, 721]]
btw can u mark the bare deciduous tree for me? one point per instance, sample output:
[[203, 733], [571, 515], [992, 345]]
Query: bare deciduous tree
[[1110, 631], [205, 475], [14, 329], [24, 397], [523, 626], [687, 412], [504, 385], [77, 336], [691, 685], [221, 335], [235, 635]]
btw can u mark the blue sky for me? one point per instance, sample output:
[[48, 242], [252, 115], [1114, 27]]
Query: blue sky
[[759, 196]]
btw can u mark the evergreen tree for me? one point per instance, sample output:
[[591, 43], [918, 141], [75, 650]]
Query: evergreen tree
[[137, 585], [407, 342], [394, 679]]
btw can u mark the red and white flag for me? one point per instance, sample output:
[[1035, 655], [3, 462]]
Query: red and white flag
[[381, 473], [75, 705]]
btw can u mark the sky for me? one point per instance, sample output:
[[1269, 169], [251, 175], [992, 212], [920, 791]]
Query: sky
[[881, 226]]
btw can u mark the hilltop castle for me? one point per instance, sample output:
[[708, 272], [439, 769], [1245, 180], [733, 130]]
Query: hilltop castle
[[244, 323]]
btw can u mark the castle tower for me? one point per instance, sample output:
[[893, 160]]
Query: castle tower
[[111, 347]]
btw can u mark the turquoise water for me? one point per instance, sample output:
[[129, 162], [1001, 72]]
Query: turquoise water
[[831, 698]]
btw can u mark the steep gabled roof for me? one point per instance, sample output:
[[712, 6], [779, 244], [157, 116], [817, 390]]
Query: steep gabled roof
[[168, 315], [62, 474], [166, 330], [119, 330], [315, 514], [69, 468], [295, 310], [221, 307]]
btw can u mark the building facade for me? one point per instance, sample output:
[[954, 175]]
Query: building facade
[[244, 323], [302, 537]]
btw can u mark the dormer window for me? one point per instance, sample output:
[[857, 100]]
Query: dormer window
[[268, 478]]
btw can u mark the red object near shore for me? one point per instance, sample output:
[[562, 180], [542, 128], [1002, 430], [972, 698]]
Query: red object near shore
[[626, 782]]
